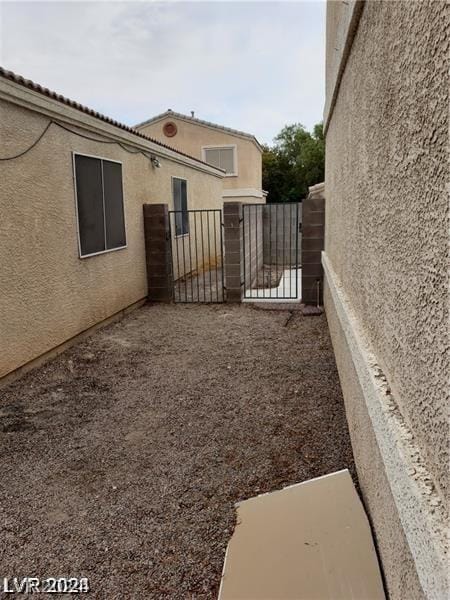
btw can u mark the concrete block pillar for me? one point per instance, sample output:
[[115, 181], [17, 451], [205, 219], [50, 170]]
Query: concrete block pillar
[[158, 252], [313, 234], [233, 251]]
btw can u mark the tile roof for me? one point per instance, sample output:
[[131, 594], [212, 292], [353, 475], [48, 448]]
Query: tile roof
[[177, 115], [36, 87]]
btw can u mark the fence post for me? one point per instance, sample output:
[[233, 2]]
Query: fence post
[[313, 226], [233, 244], [158, 252]]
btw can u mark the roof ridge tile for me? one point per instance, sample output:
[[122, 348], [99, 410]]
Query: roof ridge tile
[[175, 114], [37, 87]]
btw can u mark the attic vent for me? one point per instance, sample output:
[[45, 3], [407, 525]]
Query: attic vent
[[170, 129]]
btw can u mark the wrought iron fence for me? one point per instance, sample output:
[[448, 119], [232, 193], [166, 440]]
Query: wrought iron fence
[[271, 251], [197, 255]]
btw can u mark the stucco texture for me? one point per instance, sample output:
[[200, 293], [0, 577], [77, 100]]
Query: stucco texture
[[399, 570], [387, 208], [47, 293], [191, 137]]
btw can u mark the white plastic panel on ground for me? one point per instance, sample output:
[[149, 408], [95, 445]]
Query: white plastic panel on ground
[[310, 541]]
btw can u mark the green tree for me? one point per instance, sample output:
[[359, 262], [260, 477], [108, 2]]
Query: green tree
[[295, 162]]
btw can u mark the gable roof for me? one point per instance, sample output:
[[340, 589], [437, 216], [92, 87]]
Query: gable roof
[[177, 115], [36, 87]]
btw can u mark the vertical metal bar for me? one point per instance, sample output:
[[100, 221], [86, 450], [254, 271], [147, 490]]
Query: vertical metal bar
[[175, 241], [203, 256], [190, 255], [209, 254], [248, 253], [296, 253], [276, 243], [258, 215], [197, 276], [183, 239], [264, 253], [261, 244], [284, 249], [256, 248], [294, 241], [263, 267], [243, 249], [250, 247], [215, 254], [221, 256], [171, 258], [290, 251], [261, 216], [270, 250], [262, 250]]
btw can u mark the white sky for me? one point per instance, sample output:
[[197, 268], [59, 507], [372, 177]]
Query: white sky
[[254, 66]]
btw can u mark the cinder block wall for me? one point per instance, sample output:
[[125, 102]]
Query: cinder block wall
[[253, 242], [313, 215], [158, 252], [233, 250], [282, 236]]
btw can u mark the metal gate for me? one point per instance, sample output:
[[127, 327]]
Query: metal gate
[[272, 251], [197, 255]]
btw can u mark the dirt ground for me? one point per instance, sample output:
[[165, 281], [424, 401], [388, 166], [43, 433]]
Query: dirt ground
[[206, 286], [121, 459]]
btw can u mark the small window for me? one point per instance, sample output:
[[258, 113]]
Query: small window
[[101, 222], [179, 190], [224, 158]]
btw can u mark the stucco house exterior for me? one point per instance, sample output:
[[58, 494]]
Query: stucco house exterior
[[238, 153], [72, 188], [386, 272]]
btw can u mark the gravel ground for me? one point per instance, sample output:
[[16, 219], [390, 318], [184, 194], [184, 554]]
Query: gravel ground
[[122, 459]]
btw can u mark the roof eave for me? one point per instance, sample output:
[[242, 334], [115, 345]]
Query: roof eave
[[202, 123], [11, 80]]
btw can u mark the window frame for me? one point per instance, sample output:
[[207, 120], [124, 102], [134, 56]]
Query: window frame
[[101, 158], [172, 179], [224, 147]]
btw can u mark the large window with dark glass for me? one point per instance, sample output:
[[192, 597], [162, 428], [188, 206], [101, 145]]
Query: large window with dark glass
[[179, 189], [99, 195]]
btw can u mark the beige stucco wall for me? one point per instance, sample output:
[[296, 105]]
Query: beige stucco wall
[[333, 50], [47, 293], [341, 23], [386, 240], [398, 565], [191, 137]]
